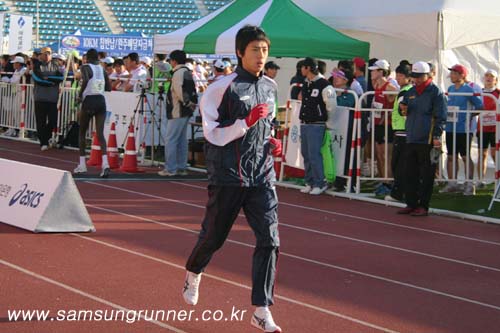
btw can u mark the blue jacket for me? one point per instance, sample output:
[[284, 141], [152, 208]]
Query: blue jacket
[[421, 110], [235, 154]]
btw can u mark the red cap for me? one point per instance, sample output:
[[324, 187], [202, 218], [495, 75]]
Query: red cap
[[460, 69], [359, 62]]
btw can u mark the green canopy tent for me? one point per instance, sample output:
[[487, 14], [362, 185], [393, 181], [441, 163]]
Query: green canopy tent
[[293, 32]]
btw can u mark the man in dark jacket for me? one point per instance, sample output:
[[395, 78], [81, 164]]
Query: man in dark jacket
[[46, 76], [318, 98], [426, 109], [237, 111]]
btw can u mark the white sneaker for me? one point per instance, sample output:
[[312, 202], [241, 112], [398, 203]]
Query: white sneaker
[[306, 189], [44, 148], [165, 173], [469, 189], [318, 190], [80, 169], [191, 286], [9, 132], [388, 197], [182, 172], [263, 319]]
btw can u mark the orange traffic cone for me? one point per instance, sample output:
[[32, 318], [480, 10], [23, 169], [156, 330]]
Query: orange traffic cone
[[113, 157], [95, 154], [129, 163]]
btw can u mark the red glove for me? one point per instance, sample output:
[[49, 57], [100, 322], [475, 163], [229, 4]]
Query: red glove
[[275, 146], [258, 112]]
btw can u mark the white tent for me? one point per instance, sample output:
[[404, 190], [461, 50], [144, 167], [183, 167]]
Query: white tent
[[445, 32]]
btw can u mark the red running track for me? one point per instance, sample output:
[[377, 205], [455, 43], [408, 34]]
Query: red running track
[[345, 266]]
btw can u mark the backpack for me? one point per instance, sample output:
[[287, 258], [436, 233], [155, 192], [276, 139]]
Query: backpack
[[70, 135]]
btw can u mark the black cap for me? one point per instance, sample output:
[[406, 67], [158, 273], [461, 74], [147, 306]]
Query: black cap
[[310, 62], [271, 65]]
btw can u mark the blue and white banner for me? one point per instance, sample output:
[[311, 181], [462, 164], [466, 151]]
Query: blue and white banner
[[20, 33], [113, 45]]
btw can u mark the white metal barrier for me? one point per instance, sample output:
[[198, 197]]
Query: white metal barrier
[[485, 117]]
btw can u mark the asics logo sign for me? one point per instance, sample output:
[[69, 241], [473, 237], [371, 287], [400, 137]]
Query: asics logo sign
[[26, 197]]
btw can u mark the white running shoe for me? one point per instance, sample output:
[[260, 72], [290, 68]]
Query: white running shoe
[[263, 319], [44, 148], [318, 190], [306, 189], [191, 285], [80, 169], [165, 173]]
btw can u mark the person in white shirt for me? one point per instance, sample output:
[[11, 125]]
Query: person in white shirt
[[19, 69], [119, 75], [138, 74]]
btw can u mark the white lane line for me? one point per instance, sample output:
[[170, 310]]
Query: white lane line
[[40, 156], [309, 230], [316, 262], [84, 294], [236, 284], [314, 209], [371, 220]]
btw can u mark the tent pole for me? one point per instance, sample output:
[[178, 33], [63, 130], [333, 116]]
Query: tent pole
[[440, 55]]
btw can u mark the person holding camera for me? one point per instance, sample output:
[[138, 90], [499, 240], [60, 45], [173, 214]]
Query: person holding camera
[[182, 99], [425, 107], [94, 82], [138, 74]]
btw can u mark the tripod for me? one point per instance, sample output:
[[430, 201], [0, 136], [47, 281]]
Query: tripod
[[152, 124], [155, 122]]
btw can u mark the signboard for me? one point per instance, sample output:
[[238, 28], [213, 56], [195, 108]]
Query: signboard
[[20, 33], [113, 45], [41, 199]]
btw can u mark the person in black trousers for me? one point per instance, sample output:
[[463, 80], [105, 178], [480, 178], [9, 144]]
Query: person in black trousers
[[46, 76], [426, 108], [237, 112]]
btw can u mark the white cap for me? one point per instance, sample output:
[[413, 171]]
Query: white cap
[[419, 68], [58, 56], [146, 60], [490, 71], [220, 64], [18, 59], [380, 64], [108, 60]]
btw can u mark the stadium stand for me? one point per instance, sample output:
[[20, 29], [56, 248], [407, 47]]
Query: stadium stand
[[58, 17]]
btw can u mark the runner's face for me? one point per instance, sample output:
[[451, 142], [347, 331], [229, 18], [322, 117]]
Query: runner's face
[[376, 74], [339, 82], [255, 57], [421, 79], [456, 77], [402, 80], [490, 81], [272, 72]]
